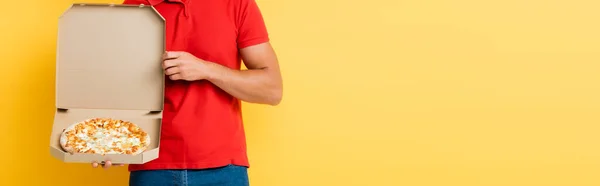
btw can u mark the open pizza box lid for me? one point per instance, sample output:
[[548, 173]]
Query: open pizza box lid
[[109, 65]]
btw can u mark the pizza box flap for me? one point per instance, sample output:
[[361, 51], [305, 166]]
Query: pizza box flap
[[108, 65], [109, 57]]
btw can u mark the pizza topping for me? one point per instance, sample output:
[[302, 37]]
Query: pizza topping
[[106, 136]]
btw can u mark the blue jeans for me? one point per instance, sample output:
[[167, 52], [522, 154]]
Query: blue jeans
[[230, 175]]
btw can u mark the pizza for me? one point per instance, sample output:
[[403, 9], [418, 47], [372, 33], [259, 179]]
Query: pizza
[[104, 136]]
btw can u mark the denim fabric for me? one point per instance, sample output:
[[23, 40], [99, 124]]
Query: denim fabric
[[230, 175]]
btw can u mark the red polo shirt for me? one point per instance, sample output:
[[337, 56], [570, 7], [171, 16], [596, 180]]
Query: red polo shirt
[[202, 124]]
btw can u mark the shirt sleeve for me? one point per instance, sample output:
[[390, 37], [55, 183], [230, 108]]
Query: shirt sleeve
[[250, 24]]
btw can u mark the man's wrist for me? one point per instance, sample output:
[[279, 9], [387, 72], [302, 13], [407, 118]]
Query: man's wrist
[[212, 71]]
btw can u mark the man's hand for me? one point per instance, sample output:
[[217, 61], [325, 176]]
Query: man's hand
[[184, 66], [106, 164], [261, 83]]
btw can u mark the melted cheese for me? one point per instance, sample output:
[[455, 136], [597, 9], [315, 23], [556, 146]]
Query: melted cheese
[[106, 136]]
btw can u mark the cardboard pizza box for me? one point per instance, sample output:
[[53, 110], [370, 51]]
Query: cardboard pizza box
[[108, 64]]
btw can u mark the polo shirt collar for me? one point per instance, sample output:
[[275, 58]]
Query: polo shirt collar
[[155, 2], [184, 2]]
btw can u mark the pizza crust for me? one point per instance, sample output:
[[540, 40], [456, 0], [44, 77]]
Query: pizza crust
[[104, 136], [63, 139]]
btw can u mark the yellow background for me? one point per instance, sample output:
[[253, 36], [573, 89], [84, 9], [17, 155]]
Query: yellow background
[[377, 93]]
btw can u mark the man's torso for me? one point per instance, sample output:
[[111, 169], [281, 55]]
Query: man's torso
[[202, 125]]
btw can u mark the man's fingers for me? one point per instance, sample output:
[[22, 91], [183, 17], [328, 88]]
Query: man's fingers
[[173, 54], [169, 55], [170, 63], [175, 77], [172, 71], [107, 164]]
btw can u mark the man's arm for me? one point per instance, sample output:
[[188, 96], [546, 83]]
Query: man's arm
[[261, 83]]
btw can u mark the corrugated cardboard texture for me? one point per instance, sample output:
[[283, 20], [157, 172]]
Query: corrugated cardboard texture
[[109, 65], [109, 57]]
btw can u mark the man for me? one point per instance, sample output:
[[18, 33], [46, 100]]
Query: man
[[202, 139]]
